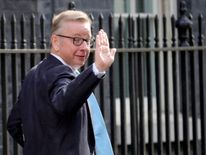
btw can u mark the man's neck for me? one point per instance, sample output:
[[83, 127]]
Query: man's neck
[[63, 62]]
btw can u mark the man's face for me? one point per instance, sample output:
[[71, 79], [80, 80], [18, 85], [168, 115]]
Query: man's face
[[73, 55]]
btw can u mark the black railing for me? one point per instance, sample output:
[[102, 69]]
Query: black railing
[[153, 97]]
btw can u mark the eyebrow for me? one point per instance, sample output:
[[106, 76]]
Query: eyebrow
[[80, 36]]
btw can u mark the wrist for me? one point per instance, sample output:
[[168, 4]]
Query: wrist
[[98, 72]]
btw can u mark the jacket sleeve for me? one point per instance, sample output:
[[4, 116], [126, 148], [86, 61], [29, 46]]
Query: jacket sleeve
[[68, 95], [14, 124]]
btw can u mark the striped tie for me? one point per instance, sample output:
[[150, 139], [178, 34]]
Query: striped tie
[[102, 141]]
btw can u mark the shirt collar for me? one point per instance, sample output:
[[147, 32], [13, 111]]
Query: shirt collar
[[62, 61]]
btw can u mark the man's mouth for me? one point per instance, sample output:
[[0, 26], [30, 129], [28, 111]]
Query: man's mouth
[[81, 56]]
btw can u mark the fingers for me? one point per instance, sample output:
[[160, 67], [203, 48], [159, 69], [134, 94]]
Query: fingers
[[102, 39], [102, 44], [104, 56]]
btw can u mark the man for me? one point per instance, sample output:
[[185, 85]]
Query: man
[[52, 115]]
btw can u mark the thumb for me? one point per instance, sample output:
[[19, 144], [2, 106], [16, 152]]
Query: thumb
[[113, 51]]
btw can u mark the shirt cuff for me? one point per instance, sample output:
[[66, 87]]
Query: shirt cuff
[[97, 72]]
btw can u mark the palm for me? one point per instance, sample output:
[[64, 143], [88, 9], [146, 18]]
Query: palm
[[104, 56]]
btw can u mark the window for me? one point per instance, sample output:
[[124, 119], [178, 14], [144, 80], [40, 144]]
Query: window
[[134, 6]]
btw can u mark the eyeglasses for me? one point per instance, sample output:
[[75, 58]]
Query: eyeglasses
[[77, 41]]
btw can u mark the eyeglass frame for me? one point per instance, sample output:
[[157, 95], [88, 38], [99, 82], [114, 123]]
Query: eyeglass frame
[[88, 41]]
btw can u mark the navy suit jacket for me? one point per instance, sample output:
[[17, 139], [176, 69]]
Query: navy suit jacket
[[51, 116]]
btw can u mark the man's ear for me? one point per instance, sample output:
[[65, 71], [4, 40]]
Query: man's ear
[[55, 42]]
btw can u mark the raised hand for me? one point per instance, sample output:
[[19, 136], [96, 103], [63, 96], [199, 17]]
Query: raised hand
[[104, 56]]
